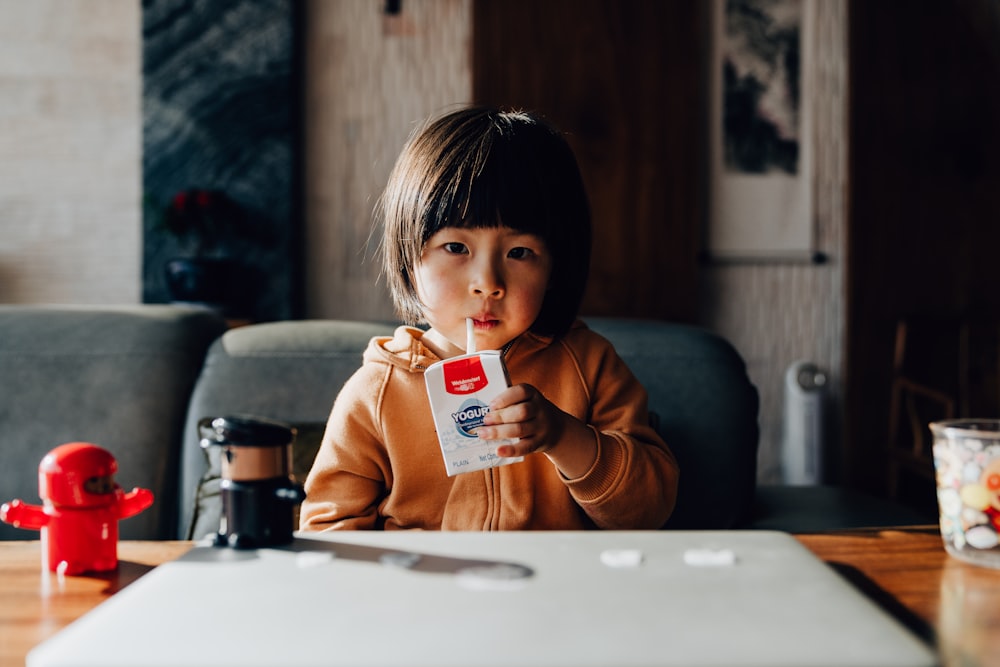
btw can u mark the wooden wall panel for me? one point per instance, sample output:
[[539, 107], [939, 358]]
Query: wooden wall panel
[[625, 81]]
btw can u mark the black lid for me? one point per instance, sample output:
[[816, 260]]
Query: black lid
[[244, 431]]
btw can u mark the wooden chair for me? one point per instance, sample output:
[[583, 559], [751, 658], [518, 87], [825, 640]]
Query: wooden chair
[[943, 368]]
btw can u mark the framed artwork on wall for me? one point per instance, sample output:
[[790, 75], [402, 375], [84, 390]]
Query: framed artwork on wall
[[760, 181]]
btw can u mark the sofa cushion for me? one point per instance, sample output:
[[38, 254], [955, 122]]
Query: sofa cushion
[[288, 371], [804, 509]]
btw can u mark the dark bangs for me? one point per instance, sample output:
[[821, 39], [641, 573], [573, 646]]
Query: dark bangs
[[480, 167], [496, 181], [513, 170]]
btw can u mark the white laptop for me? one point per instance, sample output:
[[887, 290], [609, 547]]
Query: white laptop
[[521, 599]]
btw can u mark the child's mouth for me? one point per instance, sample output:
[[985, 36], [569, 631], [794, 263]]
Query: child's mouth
[[485, 324]]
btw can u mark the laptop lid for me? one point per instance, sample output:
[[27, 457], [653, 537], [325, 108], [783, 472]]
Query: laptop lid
[[447, 599]]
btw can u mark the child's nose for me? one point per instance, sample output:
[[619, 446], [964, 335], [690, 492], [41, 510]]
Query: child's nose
[[487, 280]]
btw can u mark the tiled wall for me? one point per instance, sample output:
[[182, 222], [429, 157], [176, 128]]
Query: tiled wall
[[776, 314], [372, 77], [69, 151]]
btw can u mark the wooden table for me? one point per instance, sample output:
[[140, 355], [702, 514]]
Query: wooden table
[[35, 605], [950, 603]]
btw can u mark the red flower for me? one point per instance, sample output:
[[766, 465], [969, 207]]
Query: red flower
[[204, 220]]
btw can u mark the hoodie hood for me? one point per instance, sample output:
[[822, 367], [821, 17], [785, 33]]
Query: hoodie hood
[[404, 349]]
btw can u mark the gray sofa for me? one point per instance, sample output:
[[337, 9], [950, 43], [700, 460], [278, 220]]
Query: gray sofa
[[136, 380]]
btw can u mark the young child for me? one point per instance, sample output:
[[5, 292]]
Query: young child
[[485, 217]]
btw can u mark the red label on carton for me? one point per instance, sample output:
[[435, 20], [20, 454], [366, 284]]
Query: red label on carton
[[464, 376]]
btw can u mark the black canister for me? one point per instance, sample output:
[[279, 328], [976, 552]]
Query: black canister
[[259, 493]]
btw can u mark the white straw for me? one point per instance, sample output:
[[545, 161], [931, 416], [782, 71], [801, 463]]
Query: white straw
[[470, 336]]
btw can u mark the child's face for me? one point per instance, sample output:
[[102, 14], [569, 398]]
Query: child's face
[[497, 276]]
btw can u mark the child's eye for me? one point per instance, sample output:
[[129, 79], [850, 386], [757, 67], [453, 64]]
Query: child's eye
[[520, 253], [455, 248]]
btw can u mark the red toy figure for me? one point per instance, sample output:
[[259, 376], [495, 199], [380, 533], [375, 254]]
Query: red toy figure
[[82, 506]]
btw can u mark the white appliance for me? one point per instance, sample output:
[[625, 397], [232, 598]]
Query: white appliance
[[804, 424]]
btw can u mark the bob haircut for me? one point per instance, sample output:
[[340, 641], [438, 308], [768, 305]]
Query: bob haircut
[[480, 167]]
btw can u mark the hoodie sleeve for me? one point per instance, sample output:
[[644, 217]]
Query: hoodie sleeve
[[348, 478], [633, 482]]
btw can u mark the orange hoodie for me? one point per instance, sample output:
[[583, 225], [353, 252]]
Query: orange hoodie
[[380, 465]]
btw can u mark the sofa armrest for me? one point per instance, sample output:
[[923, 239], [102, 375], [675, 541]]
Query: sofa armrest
[[119, 377]]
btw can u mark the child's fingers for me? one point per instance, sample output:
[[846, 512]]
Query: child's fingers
[[520, 448], [519, 393], [506, 451], [501, 432], [515, 413]]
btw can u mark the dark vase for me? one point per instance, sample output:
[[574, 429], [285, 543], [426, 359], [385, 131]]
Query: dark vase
[[223, 284]]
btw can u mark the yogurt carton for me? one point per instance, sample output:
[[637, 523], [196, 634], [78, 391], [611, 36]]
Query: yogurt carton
[[460, 390]]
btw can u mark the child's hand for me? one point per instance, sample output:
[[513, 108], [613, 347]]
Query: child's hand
[[523, 412]]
